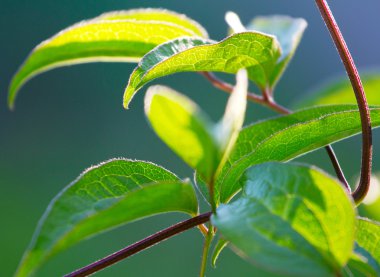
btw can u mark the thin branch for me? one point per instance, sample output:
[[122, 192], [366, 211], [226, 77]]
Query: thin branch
[[270, 103], [352, 72], [141, 245]]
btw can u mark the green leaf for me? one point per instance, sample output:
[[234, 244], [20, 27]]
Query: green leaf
[[255, 51], [181, 124], [228, 129], [286, 221], [287, 137], [154, 14], [122, 37], [288, 32], [103, 197], [221, 244], [339, 91], [358, 266], [368, 240]]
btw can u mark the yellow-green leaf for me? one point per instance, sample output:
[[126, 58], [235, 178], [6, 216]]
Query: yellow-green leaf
[[339, 91], [182, 125], [154, 14], [288, 32], [255, 51], [121, 37]]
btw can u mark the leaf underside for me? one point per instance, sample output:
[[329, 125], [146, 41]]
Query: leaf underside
[[104, 197]]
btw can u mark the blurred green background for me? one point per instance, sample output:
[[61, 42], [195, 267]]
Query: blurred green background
[[71, 118]]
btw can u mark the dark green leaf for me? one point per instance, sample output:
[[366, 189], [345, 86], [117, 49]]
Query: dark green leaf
[[119, 36], [339, 91], [104, 197], [286, 137], [255, 51], [290, 219]]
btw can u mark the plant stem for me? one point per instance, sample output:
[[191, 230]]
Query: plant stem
[[353, 74], [269, 102], [206, 248], [141, 245]]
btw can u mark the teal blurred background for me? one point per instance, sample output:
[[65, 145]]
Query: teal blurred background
[[71, 118]]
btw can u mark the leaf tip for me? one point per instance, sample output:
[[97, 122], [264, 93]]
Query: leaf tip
[[234, 22], [128, 94], [11, 98]]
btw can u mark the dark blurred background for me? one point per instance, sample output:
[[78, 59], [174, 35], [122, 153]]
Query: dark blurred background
[[71, 118]]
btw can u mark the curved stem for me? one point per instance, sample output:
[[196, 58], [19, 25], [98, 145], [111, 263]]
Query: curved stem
[[141, 245], [352, 72], [269, 102]]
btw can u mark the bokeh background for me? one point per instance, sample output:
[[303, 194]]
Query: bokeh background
[[71, 118]]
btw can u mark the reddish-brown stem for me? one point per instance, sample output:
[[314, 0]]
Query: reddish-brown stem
[[352, 72], [268, 101], [141, 245]]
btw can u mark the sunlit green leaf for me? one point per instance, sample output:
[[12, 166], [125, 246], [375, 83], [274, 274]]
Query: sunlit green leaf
[[181, 124], [286, 137], [368, 240], [288, 32], [104, 197], [154, 14], [123, 37], [290, 219], [255, 51], [339, 91], [228, 129], [358, 266]]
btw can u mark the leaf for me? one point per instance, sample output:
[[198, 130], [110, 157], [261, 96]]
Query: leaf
[[221, 244], [123, 37], [339, 91], [154, 14], [288, 32], [181, 124], [358, 266], [368, 240], [104, 197], [287, 137], [286, 220], [255, 51], [228, 129]]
